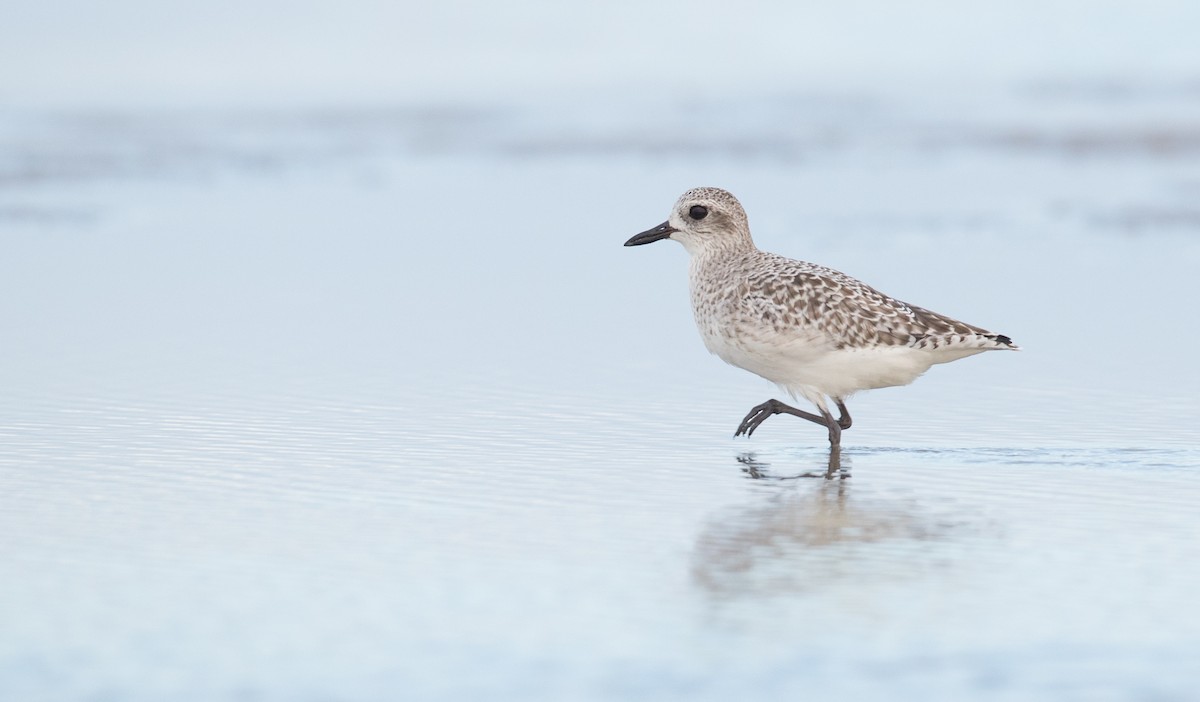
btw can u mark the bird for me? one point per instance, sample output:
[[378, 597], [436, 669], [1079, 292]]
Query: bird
[[818, 334]]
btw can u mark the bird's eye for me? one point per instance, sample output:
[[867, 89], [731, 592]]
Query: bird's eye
[[698, 212]]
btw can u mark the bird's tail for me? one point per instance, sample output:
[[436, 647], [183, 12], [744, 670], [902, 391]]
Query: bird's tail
[[1001, 341]]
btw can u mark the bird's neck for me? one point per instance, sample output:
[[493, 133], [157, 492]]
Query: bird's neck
[[719, 248], [716, 262]]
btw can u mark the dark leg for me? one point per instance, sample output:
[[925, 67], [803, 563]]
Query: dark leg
[[835, 429], [835, 440], [759, 414], [844, 420]]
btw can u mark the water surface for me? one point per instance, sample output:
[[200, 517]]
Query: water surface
[[374, 405]]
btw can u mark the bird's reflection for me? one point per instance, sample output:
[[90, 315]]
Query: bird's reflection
[[805, 533], [759, 470]]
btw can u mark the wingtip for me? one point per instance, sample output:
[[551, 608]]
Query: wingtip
[[1006, 341]]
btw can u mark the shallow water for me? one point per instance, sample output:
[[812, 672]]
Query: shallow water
[[374, 405]]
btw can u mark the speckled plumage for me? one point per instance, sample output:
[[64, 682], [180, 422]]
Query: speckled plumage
[[812, 330]]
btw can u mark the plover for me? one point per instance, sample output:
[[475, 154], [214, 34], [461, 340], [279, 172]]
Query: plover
[[815, 332]]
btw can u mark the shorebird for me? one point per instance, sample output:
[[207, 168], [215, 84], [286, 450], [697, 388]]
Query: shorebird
[[815, 332]]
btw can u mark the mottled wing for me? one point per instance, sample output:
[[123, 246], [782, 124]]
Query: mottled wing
[[851, 314]]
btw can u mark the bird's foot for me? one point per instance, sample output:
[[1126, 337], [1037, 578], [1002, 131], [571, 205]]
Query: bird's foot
[[758, 415]]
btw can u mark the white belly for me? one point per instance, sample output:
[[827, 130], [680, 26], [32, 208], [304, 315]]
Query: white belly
[[812, 367]]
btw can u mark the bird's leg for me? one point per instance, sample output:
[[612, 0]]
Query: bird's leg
[[835, 429], [844, 421], [835, 439], [760, 413]]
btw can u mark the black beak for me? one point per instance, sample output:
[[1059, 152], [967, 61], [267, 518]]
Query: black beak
[[649, 236]]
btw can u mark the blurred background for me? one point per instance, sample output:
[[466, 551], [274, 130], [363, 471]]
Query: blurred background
[[324, 374], [141, 53]]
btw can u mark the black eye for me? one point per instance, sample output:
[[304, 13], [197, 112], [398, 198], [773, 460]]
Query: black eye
[[698, 212]]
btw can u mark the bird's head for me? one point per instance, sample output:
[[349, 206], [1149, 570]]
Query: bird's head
[[703, 219]]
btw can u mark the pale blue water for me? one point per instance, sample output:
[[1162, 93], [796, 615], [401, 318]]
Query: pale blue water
[[373, 405]]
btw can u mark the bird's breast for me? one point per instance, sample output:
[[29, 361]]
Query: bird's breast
[[747, 335]]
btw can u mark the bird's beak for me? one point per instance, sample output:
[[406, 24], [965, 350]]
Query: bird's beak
[[662, 231]]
